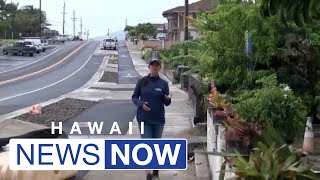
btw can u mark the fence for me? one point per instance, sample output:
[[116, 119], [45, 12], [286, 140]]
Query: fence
[[157, 44]]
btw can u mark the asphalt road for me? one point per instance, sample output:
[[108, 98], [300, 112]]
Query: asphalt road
[[59, 73], [110, 111]]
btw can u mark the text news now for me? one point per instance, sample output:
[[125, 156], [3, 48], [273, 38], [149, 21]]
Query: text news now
[[98, 154]]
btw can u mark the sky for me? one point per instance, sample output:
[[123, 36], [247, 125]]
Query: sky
[[100, 15]]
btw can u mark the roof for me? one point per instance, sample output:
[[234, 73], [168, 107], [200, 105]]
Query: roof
[[203, 5], [156, 26]]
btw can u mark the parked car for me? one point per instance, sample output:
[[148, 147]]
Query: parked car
[[109, 43], [62, 39], [37, 43], [45, 44], [20, 48]]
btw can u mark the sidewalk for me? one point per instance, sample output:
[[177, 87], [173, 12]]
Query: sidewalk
[[178, 124]]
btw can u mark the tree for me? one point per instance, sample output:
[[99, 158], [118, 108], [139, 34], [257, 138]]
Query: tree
[[297, 11], [24, 20], [142, 30], [129, 28], [146, 30], [289, 51]]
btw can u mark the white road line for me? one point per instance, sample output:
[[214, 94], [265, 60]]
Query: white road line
[[36, 90], [30, 63]]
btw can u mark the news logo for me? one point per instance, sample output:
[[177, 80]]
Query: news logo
[[98, 154]]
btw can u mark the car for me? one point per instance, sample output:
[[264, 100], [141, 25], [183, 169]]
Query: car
[[37, 43], [61, 39], [109, 43], [20, 48], [45, 44]]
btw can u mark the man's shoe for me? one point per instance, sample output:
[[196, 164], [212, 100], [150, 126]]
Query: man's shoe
[[155, 173], [149, 177]]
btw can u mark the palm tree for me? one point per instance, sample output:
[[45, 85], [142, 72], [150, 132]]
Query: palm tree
[[300, 12]]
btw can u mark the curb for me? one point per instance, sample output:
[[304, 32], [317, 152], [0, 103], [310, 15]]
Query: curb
[[95, 78], [202, 167]]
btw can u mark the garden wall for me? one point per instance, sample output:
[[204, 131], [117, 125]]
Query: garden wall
[[215, 143], [157, 44]]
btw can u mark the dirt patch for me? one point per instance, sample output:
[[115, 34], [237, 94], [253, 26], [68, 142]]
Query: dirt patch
[[109, 77], [60, 111]]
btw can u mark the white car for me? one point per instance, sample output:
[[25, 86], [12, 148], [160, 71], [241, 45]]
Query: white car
[[109, 43], [37, 43], [62, 39], [45, 44]]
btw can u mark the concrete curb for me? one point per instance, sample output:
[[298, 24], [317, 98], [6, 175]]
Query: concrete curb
[[95, 78], [202, 167]]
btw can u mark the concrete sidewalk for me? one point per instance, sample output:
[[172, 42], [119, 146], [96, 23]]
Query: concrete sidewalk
[[178, 118]]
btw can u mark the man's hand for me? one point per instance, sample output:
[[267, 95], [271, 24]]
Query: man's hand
[[145, 107]]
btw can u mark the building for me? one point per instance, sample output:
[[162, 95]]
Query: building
[[161, 31], [176, 19]]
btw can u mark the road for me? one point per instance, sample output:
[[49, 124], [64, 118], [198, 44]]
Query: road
[[36, 80], [110, 111]]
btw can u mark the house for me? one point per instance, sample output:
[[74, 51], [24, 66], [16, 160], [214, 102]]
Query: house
[[176, 19], [161, 31]]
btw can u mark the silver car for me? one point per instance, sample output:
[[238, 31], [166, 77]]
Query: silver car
[[109, 43]]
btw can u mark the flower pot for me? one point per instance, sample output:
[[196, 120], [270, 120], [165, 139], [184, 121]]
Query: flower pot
[[218, 119], [233, 146]]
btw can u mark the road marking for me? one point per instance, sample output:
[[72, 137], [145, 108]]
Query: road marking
[[50, 85], [42, 70], [30, 63]]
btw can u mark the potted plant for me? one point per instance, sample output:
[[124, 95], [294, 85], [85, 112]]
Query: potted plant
[[270, 159], [266, 162], [217, 105], [240, 136]]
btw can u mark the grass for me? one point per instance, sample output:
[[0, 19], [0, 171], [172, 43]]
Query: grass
[[5, 42]]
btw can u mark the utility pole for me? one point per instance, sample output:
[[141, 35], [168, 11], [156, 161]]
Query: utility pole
[[186, 27], [40, 20], [108, 33], [64, 17], [88, 35], [74, 23], [81, 25]]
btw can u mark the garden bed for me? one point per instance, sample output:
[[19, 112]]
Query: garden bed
[[109, 77], [113, 62], [60, 111]]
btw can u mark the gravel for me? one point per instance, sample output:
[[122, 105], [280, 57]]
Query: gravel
[[109, 77], [61, 111]]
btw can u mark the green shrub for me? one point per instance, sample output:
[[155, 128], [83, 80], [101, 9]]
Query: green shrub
[[275, 104], [147, 56]]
